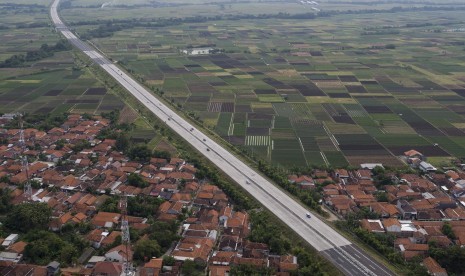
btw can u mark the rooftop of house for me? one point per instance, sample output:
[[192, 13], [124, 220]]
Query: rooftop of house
[[372, 225], [433, 267]]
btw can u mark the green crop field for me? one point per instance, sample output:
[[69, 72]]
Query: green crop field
[[293, 89], [55, 84], [48, 85]]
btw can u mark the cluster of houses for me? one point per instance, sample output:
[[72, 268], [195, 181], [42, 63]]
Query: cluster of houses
[[75, 184], [414, 208]]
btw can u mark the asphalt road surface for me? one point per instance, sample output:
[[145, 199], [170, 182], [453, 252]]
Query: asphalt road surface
[[346, 256]]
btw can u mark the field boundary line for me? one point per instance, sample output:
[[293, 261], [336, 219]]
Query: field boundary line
[[331, 137]]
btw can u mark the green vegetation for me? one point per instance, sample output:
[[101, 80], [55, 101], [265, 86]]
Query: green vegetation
[[146, 249], [246, 270], [204, 171], [308, 197], [45, 51], [192, 268], [296, 88], [265, 231], [137, 181], [40, 75], [44, 247], [26, 216], [165, 233], [451, 258], [5, 199], [43, 122], [340, 90], [381, 243]]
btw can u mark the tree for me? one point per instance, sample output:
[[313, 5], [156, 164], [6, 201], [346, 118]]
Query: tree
[[250, 270], [44, 247], [191, 268], [447, 230], [451, 258], [382, 196], [265, 231], [60, 144], [164, 233], [309, 264], [146, 249], [143, 206], [140, 153], [168, 260], [113, 116], [110, 205], [378, 170], [161, 154], [122, 142], [29, 216], [5, 200], [136, 180], [79, 146]]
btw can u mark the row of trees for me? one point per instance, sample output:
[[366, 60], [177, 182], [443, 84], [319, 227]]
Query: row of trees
[[308, 197], [43, 122], [264, 230], [44, 51], [107, 28]]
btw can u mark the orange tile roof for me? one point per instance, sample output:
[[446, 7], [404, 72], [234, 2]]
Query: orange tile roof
[[110, 239], [417, 247], [103, 217], [65, 218], [18, 247], [433, 267], [411, 153], [391, 222], [216, 270], [154, 263], [193, 248]]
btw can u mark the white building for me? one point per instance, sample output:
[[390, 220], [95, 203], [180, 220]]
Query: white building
[[427, 167], [10, 240]]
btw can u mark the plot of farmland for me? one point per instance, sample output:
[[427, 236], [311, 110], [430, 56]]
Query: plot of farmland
[[302, 92]]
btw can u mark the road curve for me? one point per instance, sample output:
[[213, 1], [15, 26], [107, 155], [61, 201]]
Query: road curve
[[350, 259]]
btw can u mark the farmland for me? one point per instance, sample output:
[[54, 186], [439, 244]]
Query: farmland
[[54, 84], [49, 85], [338, 90]]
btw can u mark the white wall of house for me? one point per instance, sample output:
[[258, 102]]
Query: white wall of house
[[114, 256]]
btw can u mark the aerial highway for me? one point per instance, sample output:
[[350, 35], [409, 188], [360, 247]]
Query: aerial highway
[[346, 256]]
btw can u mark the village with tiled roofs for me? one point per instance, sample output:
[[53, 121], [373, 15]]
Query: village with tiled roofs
[[414, 207], [77, 184]]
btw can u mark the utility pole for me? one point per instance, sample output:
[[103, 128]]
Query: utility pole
[[24, 162], [126, 240]]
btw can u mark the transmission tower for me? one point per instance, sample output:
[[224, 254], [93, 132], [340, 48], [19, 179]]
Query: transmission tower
[[24, 162], [126, 240]]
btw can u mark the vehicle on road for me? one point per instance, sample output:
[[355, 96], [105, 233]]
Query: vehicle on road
[[308, 215], [208, 149], [192, 129], [204, 139], [247, 181]]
